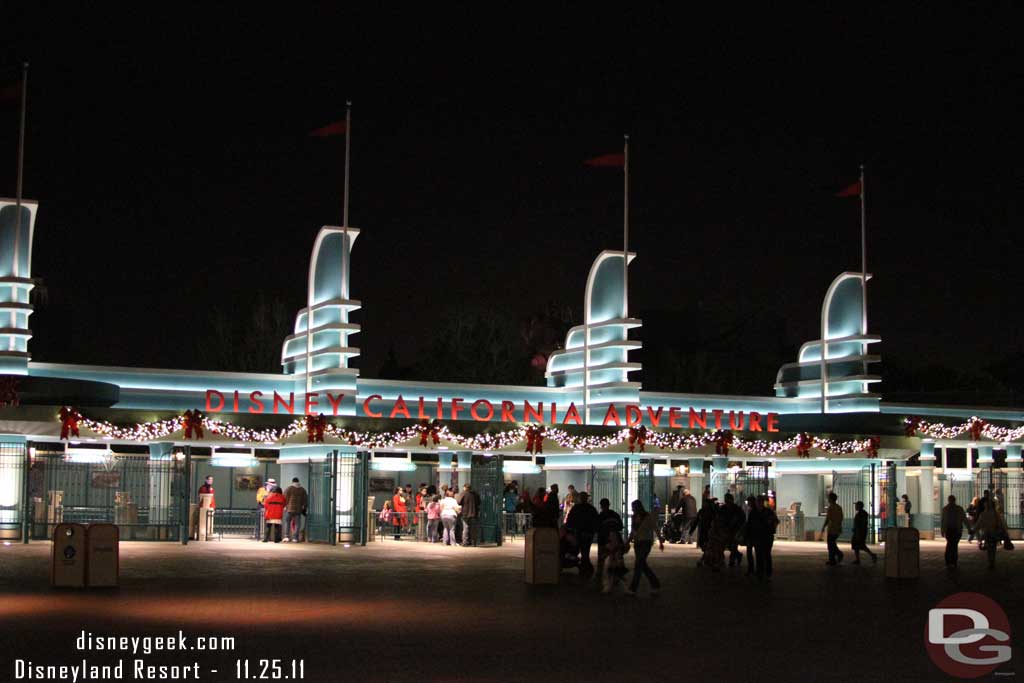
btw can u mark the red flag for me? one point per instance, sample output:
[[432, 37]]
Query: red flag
[[616, 160], [851, 191], [331, 129]]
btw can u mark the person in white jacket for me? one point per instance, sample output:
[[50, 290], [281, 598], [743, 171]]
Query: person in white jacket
[[449, 514]]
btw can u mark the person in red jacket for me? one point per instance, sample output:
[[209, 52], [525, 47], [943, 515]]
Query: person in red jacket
[[399, 518], [273, 507]]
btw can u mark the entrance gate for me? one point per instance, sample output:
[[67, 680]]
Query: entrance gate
[[851, 487], [488, 480], [353, 478], [140, 495], [12, 490], [610, 483], [321, 520]]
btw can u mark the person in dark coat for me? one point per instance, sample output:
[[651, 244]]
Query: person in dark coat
[[702, 525], [732, 519], [954, 519], [859, 540], [582, 521], [758, 532], [469, 501], [608, 521], [690, 512]]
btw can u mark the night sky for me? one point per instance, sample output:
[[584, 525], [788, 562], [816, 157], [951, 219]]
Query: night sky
[[171, 157]]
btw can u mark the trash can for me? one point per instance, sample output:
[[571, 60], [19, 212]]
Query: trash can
[[902, 553], [543, 565], [102, 555], [67, 564]]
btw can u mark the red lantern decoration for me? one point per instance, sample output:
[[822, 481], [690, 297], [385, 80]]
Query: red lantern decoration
[[723, 440], [975, 428], [69, 418], [535, 439], [193, 423], [637, 438], [803, 445]]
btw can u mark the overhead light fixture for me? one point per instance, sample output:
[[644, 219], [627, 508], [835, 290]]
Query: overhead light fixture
[[234, 460], [392, 465], [521, 467]]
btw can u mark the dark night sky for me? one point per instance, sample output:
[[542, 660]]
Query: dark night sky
[[171, 158]]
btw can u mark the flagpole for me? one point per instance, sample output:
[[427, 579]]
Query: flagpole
[[625, 228], [348, 141], [863, 269], [21, 166], [15, 266]]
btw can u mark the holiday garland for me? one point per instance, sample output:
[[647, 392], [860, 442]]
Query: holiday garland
[[194, 424], [975, 427]]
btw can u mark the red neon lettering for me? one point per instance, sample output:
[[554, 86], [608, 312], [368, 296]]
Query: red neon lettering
[[773, 422], [335, 402], [421, 414], [633, 416], [476, 404], [612, 414], [209, 406], [457, 407], [529, 413], [400, 407], [554, 412], [508, 411], [572, 414], [440, 408], [755, 422], [257, 404], [674, 415], [732, 421], [366, 406], [654, 417], [290, 405], [312, 402], [718, 417], [702, 420], [235, 410]]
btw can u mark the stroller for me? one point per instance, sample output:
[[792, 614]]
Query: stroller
[[672, 531]]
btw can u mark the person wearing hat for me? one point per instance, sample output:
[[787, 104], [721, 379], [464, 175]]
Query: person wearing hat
[[296, 500], [261, 494], [273, 505]]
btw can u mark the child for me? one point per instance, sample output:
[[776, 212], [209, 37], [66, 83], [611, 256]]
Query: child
[[433, 518]]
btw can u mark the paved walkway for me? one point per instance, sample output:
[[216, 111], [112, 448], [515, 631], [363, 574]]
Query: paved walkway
[[407, 611]]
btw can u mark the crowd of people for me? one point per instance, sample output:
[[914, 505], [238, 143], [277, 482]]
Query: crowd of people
[[983, 519], [725, 532]]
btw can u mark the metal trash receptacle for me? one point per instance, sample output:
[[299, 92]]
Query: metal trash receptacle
[[102, 555], [902, 553], [542, 563], [67, 562]]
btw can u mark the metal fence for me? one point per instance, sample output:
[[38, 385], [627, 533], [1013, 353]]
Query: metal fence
[[12, 487], [140, 495]]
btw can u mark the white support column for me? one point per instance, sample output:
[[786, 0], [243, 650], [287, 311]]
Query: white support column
[[924, 520]]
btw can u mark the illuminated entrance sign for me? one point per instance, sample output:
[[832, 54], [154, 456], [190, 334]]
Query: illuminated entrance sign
[[482, 410]]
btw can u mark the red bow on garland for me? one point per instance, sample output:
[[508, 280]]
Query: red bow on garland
[[873, 444], [637, 438], [192, 421], [430, 429], [315, 425], [353, 441], [535, 439], [9, 392], [803, 445], [69, 418], [975, 428], [723, 439], [910, 425]]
